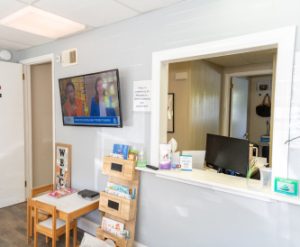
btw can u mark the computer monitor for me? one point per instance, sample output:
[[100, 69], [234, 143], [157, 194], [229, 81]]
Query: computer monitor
[[227, 154]]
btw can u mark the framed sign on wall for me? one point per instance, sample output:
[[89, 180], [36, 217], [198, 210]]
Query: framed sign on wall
[[63, 162]]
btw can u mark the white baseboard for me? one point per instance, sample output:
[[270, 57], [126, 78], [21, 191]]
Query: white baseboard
[[90, 227], [137, 244]]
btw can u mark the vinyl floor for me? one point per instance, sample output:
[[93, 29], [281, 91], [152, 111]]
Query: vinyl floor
[[13, 229]]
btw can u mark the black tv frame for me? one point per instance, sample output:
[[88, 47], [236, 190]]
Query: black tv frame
[[119, 98]]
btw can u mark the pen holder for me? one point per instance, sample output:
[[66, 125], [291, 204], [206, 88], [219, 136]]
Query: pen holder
[[265, 176]]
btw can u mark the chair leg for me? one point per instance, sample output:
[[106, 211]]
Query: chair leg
[[47, 240], [54, 238], [29, 229], [75, 235], [54, 241], [35, 238]]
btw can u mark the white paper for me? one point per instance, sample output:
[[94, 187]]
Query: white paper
[[142, 96]]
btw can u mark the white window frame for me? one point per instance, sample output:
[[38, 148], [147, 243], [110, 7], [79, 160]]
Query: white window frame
[[283, 39]]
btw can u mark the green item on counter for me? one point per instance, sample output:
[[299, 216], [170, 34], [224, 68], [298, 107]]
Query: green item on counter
[[141, 163], [286, 186]]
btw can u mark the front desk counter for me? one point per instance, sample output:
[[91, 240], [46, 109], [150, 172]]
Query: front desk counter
[[210, 179]]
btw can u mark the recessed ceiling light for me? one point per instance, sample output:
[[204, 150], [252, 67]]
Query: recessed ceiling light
[[40, 22]]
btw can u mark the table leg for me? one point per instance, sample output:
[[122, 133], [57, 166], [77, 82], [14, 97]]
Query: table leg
[[75, 234], [68, 233], [29, 220]]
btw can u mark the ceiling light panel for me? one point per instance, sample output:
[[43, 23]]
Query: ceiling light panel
[[147, 5], [28, 2], [40, 22], [94, 13]]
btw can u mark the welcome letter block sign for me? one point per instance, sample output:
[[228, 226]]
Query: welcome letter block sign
[[63, 165]]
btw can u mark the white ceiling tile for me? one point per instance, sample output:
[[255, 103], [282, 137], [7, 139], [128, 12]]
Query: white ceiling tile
[[22, 38], [9, 6], [10, 45], [147, 5], [89, 12], [93, 13]]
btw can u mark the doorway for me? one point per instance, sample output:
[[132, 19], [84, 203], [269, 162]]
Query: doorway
[[246, 94], [239, 107], [39, 120]]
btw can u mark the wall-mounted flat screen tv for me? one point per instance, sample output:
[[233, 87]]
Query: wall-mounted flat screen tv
[[91, 100]]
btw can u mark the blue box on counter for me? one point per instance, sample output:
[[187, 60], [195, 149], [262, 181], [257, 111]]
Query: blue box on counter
[[265, 139]]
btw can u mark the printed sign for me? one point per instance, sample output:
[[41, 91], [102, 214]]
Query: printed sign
[[186, 162], [286, 186], [142, 96]]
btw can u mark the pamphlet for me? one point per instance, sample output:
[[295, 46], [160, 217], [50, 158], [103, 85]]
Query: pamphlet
[[112, 226], [62, 192]]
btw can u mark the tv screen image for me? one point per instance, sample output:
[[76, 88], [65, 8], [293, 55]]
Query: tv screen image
[[91, 99], [227, 154]]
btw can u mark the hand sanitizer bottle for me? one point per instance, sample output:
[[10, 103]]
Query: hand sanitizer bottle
[[141, 162]]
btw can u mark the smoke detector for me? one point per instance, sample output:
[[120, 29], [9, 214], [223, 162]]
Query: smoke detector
[[5, 55]]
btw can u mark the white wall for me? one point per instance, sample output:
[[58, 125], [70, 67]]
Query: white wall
[[172, 214]]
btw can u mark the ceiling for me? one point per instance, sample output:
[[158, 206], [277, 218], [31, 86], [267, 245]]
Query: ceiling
[[92, 13], [242, 59]]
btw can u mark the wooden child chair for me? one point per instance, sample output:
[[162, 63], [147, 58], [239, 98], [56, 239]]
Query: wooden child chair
[[30, 207], [51, 227]]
